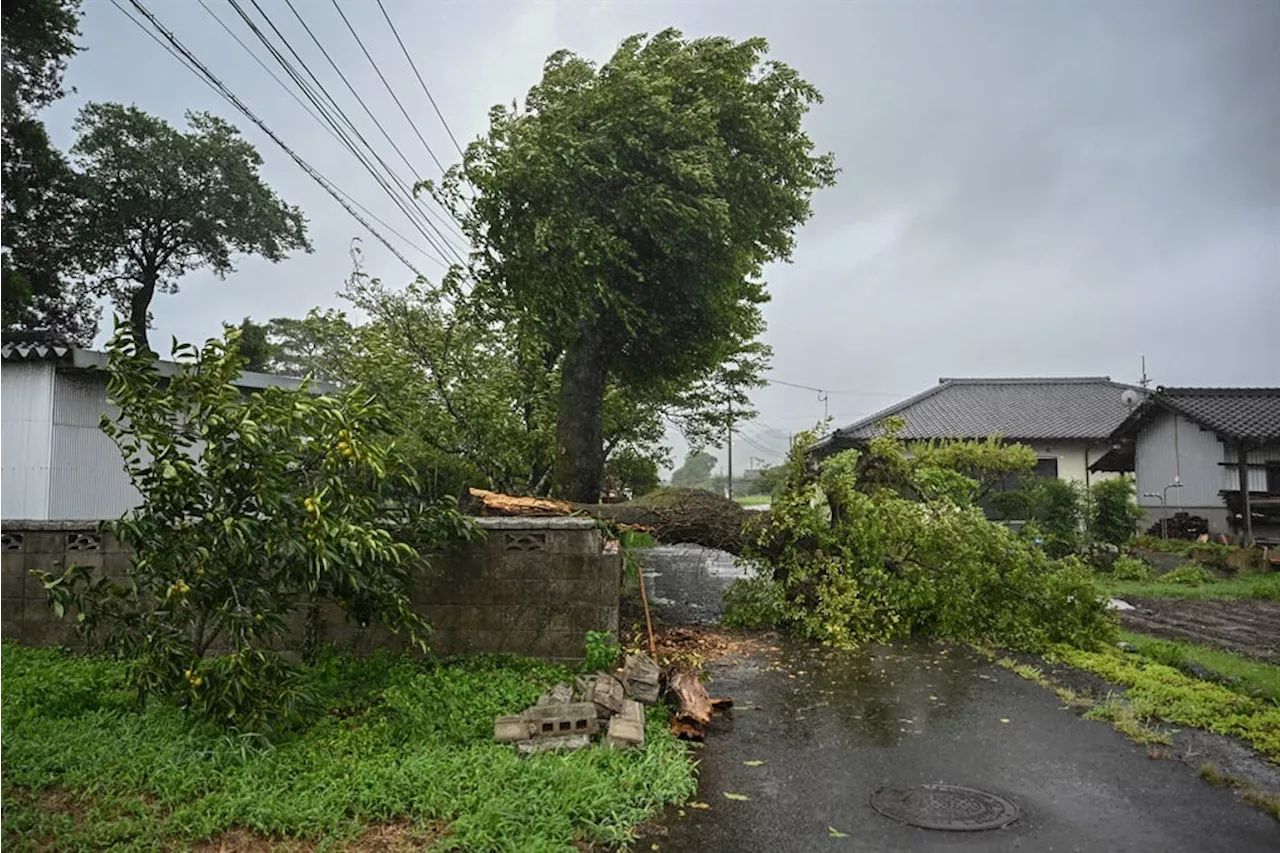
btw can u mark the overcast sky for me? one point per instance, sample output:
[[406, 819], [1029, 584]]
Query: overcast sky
[[1027, 188]]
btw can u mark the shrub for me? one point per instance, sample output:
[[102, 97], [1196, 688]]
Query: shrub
[[1055, 506], [1187, 574], [1127, 568], [853, 566], [255, 508], [1114, 512]]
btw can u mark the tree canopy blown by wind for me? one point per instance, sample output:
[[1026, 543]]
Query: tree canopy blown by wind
[[626, 213]]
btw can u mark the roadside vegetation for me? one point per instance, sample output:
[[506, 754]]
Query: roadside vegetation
[[1261, 587], [401, 741], [1236, 671]]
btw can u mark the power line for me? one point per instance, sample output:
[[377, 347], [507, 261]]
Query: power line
[[409, 119], [184, 55], [321, 122], [387, 85], [351, 88], [421, 82], [832, 391], [403, 200]]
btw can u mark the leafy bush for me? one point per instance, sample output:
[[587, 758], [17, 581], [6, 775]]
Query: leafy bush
[[1114, 511], [1267, 589], [1055, 506], [1187, 574], [854, 564], [1127, 568], [602, 651], [753, 602], [255, 509]]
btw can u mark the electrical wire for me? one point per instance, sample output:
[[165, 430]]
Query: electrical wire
[[421, 82], [832, 391], [321, 122], [332, 112], [369, 112], [188, 59]]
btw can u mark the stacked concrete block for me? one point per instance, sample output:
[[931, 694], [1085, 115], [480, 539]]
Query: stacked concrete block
[[642, 678], [626, 729]]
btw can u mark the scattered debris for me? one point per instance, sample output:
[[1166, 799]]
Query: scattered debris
[[626, 729], [641, 678], [1119, 604], [1126, 647], [693, 706], [569, 717]]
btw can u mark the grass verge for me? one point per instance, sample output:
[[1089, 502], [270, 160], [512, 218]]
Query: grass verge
[[753, 500], [1264, 587], [406, 741], [1159, 692], [1249, 676]]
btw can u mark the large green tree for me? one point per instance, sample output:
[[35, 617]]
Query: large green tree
[[626, 212], [39, 188], [159, 203]]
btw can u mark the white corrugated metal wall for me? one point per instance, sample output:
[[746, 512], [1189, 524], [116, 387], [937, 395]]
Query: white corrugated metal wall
[[88, 480], [1193, 455], [26, 409]]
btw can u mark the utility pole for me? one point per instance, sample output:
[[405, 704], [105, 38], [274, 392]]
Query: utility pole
[[730, 447], [1144, 381], [824, 397]]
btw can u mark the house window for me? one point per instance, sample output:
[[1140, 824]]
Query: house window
[[1273, 476], [1047, 467]]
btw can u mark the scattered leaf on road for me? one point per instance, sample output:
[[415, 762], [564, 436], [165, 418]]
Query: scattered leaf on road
[[729, 795], [835, 833], [699, 806], [756, 763], [1004, 719]]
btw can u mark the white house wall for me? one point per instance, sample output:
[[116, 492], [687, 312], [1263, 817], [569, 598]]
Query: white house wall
[[26, 405], [1071, 456], [88, 477], [1193, 458]]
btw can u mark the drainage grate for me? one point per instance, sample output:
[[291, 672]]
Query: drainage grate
[[945, 807]]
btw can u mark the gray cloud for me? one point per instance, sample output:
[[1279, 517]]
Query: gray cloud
[[1027, 188]]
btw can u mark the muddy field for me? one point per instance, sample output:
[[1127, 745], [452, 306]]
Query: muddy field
[[1245, 626]]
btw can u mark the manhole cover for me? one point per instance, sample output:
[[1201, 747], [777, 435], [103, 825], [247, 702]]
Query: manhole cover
[[945, 807]]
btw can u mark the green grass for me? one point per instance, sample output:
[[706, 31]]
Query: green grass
[[1248, 586], [413, 743], [1253, 677], [1159, 692], [753, 500]]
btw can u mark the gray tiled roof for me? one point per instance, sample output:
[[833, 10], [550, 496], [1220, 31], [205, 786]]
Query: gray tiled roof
[[1088, 407], [1252, 414]]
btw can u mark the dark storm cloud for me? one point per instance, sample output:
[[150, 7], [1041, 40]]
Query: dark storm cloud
[[1027, 188]]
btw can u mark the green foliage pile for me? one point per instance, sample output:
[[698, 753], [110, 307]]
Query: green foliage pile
[[602, 650], [1127, 568], [404, 740], [856, 562], [1187, 574], [255, 510], [1055, 506]]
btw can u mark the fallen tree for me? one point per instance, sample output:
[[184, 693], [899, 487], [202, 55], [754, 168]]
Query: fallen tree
[[673, 516]]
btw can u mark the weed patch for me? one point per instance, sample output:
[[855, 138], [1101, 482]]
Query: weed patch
[[1244, 674], [417, 751], [1261, 587], [1160, 692]]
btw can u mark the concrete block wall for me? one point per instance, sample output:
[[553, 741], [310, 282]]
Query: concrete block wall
[[530, 586]]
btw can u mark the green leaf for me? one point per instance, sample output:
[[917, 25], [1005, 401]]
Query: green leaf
[[832, 832], [732, 796]]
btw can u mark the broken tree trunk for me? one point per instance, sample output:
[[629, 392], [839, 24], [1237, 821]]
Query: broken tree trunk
[[672, 516], [693, 705]]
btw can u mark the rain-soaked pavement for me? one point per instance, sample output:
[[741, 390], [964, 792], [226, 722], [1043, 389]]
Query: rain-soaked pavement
[[814, 733]]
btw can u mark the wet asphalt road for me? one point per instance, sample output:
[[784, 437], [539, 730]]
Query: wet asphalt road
[[832, 727]]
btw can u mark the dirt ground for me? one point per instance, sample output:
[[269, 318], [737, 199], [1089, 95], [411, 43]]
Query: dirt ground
[[1246, 627]]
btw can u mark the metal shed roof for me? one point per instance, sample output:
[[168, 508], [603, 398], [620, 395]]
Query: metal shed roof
[[1239, 414], [83, 359], [1033, 408]]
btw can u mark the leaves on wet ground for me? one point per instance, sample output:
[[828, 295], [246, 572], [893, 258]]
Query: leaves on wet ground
[[729, 795], [755, 763], [832, 832]]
